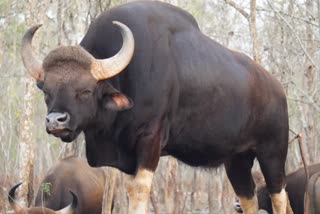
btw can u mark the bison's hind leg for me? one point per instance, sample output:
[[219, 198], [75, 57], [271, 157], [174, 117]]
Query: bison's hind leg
[[238, 169], [271, 156]]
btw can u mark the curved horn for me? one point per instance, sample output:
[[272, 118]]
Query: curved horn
[[33, 66], [11, 197], [71, 207], [110, 67]]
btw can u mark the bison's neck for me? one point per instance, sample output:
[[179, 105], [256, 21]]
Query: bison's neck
[[102, 149]]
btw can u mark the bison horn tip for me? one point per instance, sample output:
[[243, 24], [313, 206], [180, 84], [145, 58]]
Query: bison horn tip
[[109, 67], [11, 197], [12, 192], [33, 66], [74, 200], [71, 207]]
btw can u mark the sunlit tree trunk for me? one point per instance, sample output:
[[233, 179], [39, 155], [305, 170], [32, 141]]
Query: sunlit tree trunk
[[310, 77], [108, 196], [307, 111], [26, 144], [72, 149], [2, 198], [170, 185], [253, 32], [26, 137], [318, 10]]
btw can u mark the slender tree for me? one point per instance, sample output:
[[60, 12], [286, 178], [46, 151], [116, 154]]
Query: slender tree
[[251, 18], [26, 137]]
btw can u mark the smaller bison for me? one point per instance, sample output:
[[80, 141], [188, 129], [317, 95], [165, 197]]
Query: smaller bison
[[314, 193], [85, 183], [296, 182], [19, 209]]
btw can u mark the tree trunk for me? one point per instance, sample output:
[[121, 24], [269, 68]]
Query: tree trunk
[[318, 9], [108, 197], [253, 32], [170, 185], [26, 143], [308, 110], [252, 26], [26, 138]]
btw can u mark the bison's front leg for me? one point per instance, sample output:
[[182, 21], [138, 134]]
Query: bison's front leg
[[138, 189], [148, 155]]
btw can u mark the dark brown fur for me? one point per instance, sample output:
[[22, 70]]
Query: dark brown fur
[[65, 54]]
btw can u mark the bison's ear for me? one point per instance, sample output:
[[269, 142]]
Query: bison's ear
[[117, 102], [39, 84], [113, 99]]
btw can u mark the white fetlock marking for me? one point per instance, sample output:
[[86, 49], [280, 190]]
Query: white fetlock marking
[[138, 189], [249, 205], [279, 202]]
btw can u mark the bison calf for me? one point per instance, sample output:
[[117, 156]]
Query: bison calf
[[86, 184]]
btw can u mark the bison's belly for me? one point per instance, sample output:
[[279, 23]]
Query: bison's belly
[[201, 145], [197, 159], [206, 154]]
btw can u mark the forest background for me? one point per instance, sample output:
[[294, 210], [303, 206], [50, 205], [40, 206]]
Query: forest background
[[282, 35]]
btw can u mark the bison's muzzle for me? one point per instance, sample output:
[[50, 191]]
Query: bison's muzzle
[[58, 124]]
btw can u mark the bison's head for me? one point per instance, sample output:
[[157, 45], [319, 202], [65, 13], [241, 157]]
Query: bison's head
[[69, 77], [19, 209]]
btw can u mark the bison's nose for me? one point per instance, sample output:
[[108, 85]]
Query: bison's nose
[[57, 121]]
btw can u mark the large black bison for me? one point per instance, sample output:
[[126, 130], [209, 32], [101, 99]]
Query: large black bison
[[146, 82], [71, 174]]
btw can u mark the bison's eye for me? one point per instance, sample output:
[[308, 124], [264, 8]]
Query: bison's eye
[[84, 94]]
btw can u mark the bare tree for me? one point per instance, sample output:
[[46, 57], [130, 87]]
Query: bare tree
[[108, 196], [251, 18], [309, 130], [26, 139]]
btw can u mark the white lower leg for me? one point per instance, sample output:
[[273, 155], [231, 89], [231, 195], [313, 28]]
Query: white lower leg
[[139, 190], [279, 202], [249, 205]]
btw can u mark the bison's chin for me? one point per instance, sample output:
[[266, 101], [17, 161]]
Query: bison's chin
[[68, 139], [66, 136]]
